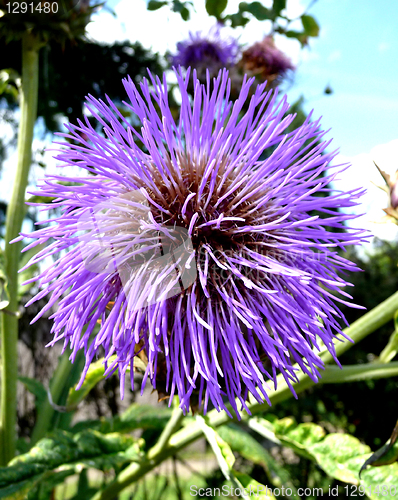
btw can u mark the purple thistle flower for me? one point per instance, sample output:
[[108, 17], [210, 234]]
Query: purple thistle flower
[[200, 252], [204, 51]]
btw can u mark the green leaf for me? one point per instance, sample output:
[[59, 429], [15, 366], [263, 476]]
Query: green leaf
[[4, 296], [278, 6], [311, 27], [298, 437], [216, 7], [182, 9], [35, 387], [243, 443], [237, 19], [301, 36], [257, 10], [340, 456], [62, 454], [221, 449], [94, 375], [155, 5], [253, 487]]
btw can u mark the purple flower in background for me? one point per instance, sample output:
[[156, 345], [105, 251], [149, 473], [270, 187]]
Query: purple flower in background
[[265, 60], [195, 245], [202, 51]]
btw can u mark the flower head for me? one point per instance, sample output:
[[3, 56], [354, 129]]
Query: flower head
[[203, 51], [195, 244], [266, 61]]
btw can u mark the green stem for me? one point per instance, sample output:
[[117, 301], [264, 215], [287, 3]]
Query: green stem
[[15, 215], [171, 427], [356, 373], [391, 349], [46, 410], [365, 325]]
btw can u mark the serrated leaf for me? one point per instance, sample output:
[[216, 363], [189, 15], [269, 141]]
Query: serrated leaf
[[64, 453], [155, 4], [311, 27], [216, 7]]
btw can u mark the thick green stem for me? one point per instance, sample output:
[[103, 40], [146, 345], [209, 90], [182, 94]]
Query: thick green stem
[[46, 411], [367, 324], [356, 373], [15, 215]]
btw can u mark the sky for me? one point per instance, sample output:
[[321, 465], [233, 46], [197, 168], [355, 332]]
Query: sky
[[355, 54]]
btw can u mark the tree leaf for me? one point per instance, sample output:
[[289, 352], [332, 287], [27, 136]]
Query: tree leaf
[[237, 19], [257, 9], [216, 7], [278, 6], [311, 27], [155, 4]]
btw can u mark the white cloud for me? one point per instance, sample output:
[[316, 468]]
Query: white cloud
[[363, 173]]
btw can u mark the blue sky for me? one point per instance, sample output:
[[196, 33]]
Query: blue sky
[[357, 54]]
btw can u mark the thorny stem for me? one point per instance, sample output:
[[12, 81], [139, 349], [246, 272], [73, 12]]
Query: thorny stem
[[367, 324], [15, 215]]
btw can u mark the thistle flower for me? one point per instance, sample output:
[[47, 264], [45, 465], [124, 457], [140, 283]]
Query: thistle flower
[[206, 51], [200, 251], [265, 61]]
